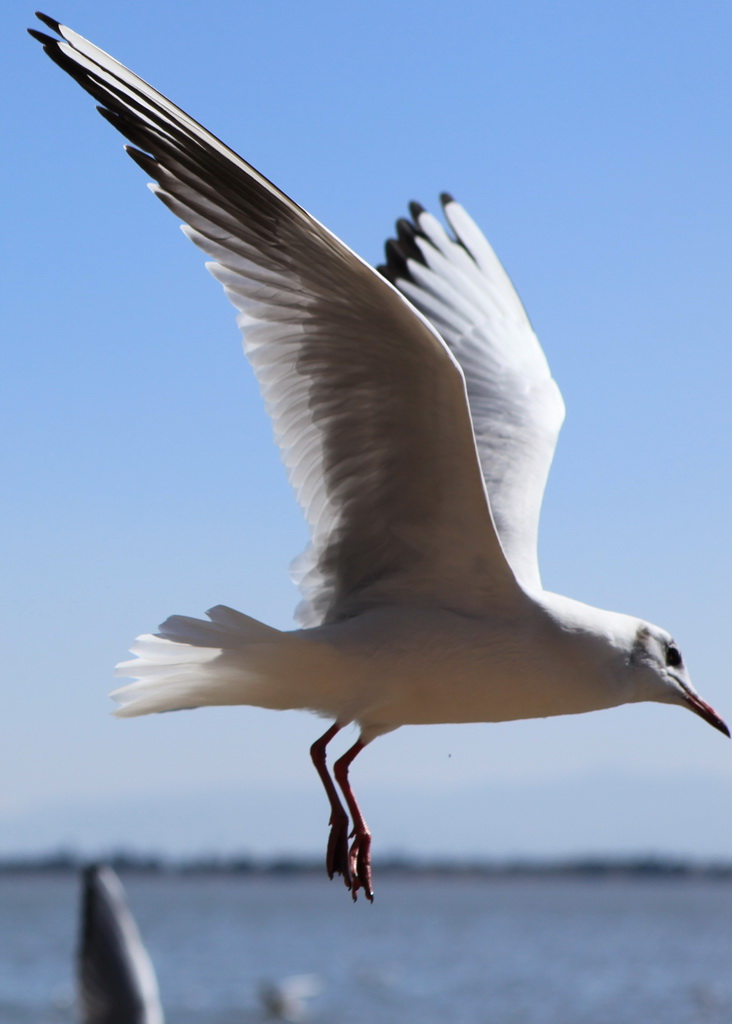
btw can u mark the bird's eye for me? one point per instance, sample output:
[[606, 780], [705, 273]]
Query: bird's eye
[[673, 656]]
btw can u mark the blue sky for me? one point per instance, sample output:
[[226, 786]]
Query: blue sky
[[592, 143]]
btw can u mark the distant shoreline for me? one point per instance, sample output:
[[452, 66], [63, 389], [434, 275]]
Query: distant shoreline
[[640, 866]]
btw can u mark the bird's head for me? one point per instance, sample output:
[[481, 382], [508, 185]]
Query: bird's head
[[661, 675]]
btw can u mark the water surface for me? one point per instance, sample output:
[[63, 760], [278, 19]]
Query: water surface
[[490, 950]]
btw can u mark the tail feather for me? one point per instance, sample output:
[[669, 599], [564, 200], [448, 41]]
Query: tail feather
[[227, 628], [191, 662]]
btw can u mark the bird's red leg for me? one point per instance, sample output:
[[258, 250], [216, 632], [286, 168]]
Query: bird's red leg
[[360, 853], [337, 859]]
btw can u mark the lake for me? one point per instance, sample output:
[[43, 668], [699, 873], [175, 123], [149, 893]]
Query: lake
[[493, 950]]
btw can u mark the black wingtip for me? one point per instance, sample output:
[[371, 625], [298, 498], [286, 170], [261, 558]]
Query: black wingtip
[[108, 115], [143, 160], [446, 198], [50, 22], [396, 260], [41, 37], [416, 210], [405, 228], [407, 234]]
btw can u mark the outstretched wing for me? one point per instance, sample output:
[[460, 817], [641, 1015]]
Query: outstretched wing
[[516, 407], [368, 405]]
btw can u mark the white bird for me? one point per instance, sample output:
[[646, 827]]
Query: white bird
[[116, 982], [286, 999], [417, 419]]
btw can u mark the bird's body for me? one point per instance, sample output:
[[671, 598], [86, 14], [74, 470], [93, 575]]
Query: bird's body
[[401, 665], [417, 418]]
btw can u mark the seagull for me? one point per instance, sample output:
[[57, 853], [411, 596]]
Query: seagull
[[417, 418], [116, 982], [286, 999]]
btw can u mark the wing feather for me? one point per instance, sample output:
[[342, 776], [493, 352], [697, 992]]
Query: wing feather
[[515, 405], [369, 406]]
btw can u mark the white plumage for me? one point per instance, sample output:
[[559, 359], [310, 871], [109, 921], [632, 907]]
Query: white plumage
[[116, 981], [417, 418]]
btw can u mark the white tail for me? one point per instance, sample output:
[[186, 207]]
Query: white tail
[[190, 663]]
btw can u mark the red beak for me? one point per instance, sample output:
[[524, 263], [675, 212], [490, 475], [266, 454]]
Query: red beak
[[705, 711]]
